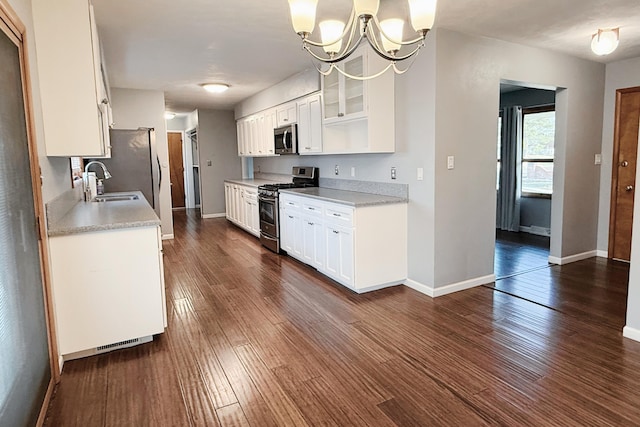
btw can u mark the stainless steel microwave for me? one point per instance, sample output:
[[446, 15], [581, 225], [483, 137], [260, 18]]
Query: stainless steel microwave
[[286, 139]]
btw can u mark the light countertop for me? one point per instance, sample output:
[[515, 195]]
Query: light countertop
[[87, 217], [252, 182], [350, 198]]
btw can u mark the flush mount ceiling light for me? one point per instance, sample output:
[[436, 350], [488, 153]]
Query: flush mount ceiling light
[[605, 41], [215, 87], [169, 116], [339, 40]]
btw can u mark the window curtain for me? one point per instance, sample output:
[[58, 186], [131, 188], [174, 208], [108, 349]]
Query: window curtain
[[509, 188]]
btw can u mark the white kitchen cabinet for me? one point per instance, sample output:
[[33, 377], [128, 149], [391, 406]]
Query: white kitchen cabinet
[[286, 114], [310, 124], [255, 134], [363, 248], [74, 93], [111, 291], [242, 206], [339, 246], [359, 116]]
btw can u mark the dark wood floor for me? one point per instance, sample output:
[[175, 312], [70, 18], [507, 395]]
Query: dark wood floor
[[519, 252], [259, 339]]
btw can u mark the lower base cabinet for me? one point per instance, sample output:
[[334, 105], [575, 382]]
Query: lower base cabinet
[[363, 248], [242, 207], [111, 291]]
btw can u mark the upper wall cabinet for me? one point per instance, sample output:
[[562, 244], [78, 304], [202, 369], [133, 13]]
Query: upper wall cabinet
[[359, 115], [75, 95], [310, 124], [286, 114], [255, 134]]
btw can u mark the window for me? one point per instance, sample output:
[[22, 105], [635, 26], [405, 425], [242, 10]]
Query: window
[[538, 135]]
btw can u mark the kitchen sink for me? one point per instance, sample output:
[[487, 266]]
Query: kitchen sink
[[115, 197]]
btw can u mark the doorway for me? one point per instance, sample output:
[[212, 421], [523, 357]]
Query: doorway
[[524, 179], [176, 172], [625, 152]]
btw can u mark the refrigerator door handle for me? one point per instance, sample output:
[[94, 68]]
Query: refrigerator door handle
[[159, 173]]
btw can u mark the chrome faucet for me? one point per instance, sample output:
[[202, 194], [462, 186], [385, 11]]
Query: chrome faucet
[[106, 173], [85, 179]]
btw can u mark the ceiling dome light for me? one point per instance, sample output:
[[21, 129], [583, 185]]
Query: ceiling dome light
[[169, 116], [605, 41], [215, 87]]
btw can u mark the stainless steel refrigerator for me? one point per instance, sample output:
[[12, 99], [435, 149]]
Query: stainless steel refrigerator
[[134, 164]]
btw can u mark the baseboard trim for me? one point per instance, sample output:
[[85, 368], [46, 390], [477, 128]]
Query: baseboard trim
[[461, 286], [417, 286], [217, 215], [168, 236], [538, 231], [572, 258], [45, 403], [378, 287], [449, 289], [631, 333], [602, 254]]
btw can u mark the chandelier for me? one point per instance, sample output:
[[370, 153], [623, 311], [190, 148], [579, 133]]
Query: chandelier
[[340, 40]]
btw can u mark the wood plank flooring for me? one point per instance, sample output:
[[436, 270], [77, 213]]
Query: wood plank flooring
[[257, 339], [519, 252]]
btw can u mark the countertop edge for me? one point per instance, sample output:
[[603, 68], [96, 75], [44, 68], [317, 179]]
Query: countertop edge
[[382, 200], [103, 227]]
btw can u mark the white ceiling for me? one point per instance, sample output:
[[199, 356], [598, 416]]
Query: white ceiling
[[174, 46]]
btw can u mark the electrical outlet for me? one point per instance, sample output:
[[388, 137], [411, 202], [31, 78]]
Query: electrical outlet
[[598, 159], [337, 170], [450, 162], [353, 171], [420, 174], [393, 173]]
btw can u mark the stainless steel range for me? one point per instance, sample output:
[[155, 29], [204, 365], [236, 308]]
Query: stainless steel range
[[268, 201]]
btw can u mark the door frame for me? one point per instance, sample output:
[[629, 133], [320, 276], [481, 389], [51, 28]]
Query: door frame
[[184, 167], [614, 168], [15, 29]]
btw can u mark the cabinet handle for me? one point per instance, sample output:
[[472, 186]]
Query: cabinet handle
[[338, 215], [307, 148], [310, 223], [336, 232], [340, 114], [311, 209], [290, 216], [285, 120]]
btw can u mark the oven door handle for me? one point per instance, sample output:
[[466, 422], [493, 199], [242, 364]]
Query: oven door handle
[[267, 199]]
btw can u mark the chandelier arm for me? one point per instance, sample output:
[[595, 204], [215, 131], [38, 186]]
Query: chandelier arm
[[400, 42], [333, 60], [399, 71], [362, 78], [394, 58]]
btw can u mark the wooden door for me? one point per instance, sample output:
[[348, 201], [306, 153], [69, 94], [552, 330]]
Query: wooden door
[[625, 153], [177, 169]]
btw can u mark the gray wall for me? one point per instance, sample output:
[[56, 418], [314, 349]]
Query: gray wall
[[452, 212], [218, 144]]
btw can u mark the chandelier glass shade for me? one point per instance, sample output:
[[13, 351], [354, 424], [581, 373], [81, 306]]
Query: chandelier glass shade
[[339, 39]]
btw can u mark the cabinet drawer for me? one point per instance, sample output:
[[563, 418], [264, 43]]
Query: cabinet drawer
[[290, 204], [312, 209], [338, 215]]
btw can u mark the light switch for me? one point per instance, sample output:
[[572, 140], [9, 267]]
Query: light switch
[[420, 174], [450, 162], [208, 162], [598, 160]]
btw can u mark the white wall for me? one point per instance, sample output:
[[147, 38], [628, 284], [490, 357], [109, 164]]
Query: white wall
[[133, 109], [452, 212], [55, 170], [632, 328], [218, 145], [621, 74]]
